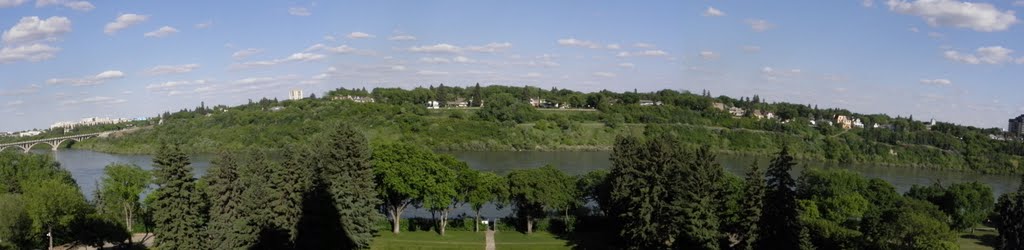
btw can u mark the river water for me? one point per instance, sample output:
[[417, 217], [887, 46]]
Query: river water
[[87, 169]]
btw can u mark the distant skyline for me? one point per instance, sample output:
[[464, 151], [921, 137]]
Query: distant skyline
[[950, 60]]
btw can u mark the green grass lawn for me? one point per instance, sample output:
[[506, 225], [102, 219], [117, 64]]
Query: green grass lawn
[[539, 240], [429, 240], [978, 240]]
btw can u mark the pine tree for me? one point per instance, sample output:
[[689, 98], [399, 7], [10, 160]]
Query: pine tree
[[290, 179], [753, 193], [1010, 219], [179, 206], [346, 167], [477, 96], [225, 192], [701, 188], [779, 224]]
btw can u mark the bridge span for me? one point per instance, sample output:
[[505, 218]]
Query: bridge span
[[53, 142]]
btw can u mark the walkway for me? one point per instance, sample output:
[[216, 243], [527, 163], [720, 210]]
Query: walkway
[[490, 240]]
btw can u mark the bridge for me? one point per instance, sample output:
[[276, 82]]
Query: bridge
[[53, 142]]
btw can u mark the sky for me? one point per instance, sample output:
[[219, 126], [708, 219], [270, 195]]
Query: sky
[[951, 60]]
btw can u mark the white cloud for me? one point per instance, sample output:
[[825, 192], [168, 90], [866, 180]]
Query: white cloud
[[627, 65], [32, 53], [123, 22], [868, 3], [437, 48], [772, 74], [435, 60], [939, 82], [752, 48], [398, 68], [490, 47], [935, 35], [169, 86], [573, 42], [75, 5], [296, 57], [204, 25], [613, 46], [986, 55], [604, 74], [982, 17], [452, 49], [711, 11], [1018, 3], [359, 35], [431, 73], [172, 69], [161, 32], [533, 75], [462, 59], [644, 45], [102, 100], [299, 11], [708, 55], [340, 49], [759, 25], [402, 38], [10, 3], [15, 103], [246, 53], [89, 80], [34, 29], [643, 53]]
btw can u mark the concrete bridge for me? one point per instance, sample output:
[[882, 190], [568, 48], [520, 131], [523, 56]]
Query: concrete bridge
[[53, 142]]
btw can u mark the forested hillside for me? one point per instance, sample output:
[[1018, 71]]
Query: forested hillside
[[570, 120]]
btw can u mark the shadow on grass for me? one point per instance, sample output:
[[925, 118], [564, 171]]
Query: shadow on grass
[[989, 240]]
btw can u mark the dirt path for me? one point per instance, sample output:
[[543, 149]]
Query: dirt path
[[490, 240]]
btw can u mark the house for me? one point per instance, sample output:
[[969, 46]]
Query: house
[[649, 103], [433, 105], [30, 133], [847, 122], [718, 105], [537, 102], [737, 111], [762, 114], [357, 99], [857, 123], [5, 134], [458, 103], [276, 108]]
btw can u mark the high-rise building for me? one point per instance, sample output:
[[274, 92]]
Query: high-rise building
[[296, 94], [1016, 125]]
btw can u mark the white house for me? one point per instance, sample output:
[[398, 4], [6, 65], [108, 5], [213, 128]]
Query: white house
[[30, 133], [433, 105]]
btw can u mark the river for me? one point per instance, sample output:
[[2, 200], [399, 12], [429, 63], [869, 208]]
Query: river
[[87, 169]]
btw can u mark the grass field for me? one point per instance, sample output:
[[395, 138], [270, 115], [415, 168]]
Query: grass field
[[466, 240], [978, 240], [429, 240]]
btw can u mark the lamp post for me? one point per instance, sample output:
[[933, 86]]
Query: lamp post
[[49, 234]]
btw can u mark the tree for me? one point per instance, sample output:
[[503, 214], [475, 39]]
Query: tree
[[1010, 219], [404, 174], [646, 207], [780, 225], [461, 183], [290, 179], [505, 108], [477, 96], [595, 187], [120, 188], [345, 162], [179, 207], [533, 191], [487, 187], [15, 223], [914, 224], [753, 202], [966, 204], [702, 186], [54, 206], [229, 225]]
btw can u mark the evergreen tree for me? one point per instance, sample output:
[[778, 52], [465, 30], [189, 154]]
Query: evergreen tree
[[753, 194], [648, 211], [477, 96], [779, 224], [179, 206], [701, 187], [225, 192], [290, 179], [345, 162]]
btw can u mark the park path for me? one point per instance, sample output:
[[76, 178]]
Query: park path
[[490, 240]]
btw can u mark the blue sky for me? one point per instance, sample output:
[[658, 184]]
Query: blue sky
[[945, 59]]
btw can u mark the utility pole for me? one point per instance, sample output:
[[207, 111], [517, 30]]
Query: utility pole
[[49, 234]]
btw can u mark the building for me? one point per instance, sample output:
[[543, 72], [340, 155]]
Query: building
[[357, 99], [458, 103], [30, 133], [433, 105], [1016, 126], [295, 94], [88, 122], [650, 103], [737, 111]]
